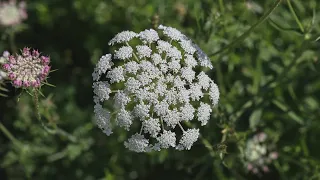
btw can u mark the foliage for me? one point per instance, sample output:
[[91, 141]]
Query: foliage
[[269, 82]]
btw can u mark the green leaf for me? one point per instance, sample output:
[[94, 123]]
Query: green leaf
[[255, 118], [291, 114]]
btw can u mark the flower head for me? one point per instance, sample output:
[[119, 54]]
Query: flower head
[[156, 84], [259, 154], [12, 13], [27, 69]]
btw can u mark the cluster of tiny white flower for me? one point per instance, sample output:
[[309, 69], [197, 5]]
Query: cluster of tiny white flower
[[259, 154], [155, 84]]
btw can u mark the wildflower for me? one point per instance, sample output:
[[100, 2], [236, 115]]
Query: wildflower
[[12, 13], [3, 59], [156, 84], [27, 69], [259, 154]]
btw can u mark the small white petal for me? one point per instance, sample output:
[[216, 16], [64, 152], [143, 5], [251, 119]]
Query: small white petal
[[121, 99], [102, 66], [172, 33], [143, 51], [188, 74], [204, 80], [141, 110], [102, 90], [116, 74], [137, 143], [103, 119], [149, 36], [188, 46], [204, 112], [187, 112], [151, 126], [131, 67], [214, 93], [124, 119], [124, 36], [125, 52], [189, 137], [167, 139]]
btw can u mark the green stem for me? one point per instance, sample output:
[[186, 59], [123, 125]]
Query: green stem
[[246, 34], [270, 85], [295, 16], [57, 130], [221, 6], [141, 129], [134, 54], [162, 124], [181, 127], [207, 144], [11, 42], [7, 133]]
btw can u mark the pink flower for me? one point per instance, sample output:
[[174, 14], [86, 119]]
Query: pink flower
[[274, 155], [28, 69], [249, 167], [6, 67], [35, 53], [45, 60], [17, 83], [11, 76], [265, 169]]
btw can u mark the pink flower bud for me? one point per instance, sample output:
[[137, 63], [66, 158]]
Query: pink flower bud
[[12, 60], [35, 53], [46, 69], [6, 67], [17, 83], [26, 83], [11, 76], [26, 51], [45, 60], [35, 83]]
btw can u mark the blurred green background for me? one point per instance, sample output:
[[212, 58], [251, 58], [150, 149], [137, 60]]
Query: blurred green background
[[269, 82]]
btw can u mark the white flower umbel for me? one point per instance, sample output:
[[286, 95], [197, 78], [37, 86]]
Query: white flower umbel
[[156, 84]]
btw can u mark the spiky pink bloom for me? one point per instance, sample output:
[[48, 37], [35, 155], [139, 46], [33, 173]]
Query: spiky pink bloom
[[12, 13], [27, 69]]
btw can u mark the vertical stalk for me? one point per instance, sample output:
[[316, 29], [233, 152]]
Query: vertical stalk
[[7, 133], [295, 16], [221, 6], [12, 41]]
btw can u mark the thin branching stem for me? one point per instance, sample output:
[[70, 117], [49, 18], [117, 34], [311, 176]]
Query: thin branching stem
[[295, 16], [246, 34], [56, 130], [8, 134]]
